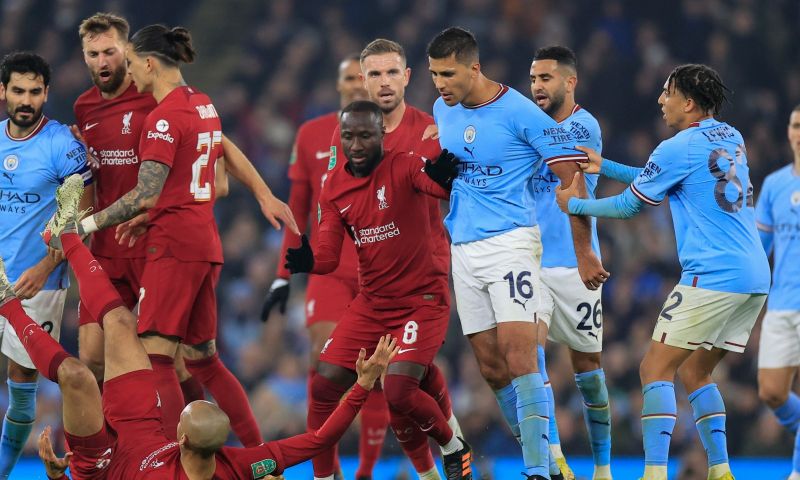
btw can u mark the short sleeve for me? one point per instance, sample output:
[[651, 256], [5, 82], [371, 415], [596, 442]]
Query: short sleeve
[[553, 142], [667, 166], [764, 219], [160, 138], [70, 158]]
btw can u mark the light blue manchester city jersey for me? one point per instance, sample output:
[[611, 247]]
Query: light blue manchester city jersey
[[554, 224], [778, 211], [703, 169], [31, 170], [501, 144]]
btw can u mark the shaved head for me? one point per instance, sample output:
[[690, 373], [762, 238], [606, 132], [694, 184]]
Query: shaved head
[[203, 428]]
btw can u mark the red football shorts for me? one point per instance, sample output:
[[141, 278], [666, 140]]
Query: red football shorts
[[133, 429], [419, 329], [327, 298], [178, 300], [126, 276]]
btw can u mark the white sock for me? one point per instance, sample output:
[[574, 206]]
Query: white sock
[[602, 472], [455, 426], [452, 446], [555, 450], [329, 477], [431, 474]]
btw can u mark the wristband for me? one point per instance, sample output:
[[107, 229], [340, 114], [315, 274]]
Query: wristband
[[278, 283], [89, 225]]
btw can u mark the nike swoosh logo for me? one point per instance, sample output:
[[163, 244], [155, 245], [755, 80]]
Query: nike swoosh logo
[[323, 154], [404, 350], [89, 126], [345, 208]]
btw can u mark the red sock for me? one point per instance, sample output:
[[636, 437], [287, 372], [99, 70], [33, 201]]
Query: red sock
[[46, 353], [192, 390], [374, 420], [169, 393], [413, 441], [97, 294], [324, 397], [404, 396], [434, 384], [230, 397]]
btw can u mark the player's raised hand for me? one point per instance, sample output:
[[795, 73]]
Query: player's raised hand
[[595, 160], [278, 295], [431, 132], [300, 260], [591, 270], [563, 195], [445, 170], [275, 210], [54, 466], [370, 370], [132, 230]]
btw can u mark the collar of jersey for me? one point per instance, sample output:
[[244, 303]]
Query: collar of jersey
[[39, 126], [503, 90]]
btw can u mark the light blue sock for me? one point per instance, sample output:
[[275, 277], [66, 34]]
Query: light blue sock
[[659, 412], [17, 424], [507, 399], [789, 413], [596, 413], [532, 413], [796, 454], [552, 426], [709, 418]]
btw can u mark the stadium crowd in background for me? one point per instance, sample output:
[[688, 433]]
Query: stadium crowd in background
[[278, 69]]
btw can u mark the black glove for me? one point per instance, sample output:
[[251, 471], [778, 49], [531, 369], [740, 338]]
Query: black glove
[[278, 295], [300, 260], [444, 171]]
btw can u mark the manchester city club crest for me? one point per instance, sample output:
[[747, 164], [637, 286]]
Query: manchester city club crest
[[795, 198], [469, 134], [11, 163]]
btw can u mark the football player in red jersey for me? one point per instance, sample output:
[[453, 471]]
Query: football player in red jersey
[[121, 435], [377, 198], [179, 145], [110, 117]]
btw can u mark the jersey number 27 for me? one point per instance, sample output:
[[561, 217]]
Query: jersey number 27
[[200, 187]]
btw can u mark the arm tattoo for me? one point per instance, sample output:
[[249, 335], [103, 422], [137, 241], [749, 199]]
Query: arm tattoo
[[152, 176]]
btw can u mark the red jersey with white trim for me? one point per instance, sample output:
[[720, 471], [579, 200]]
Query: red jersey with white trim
[[308, 168], [386, 215], [407, 137], [111, 129], [184, 132]]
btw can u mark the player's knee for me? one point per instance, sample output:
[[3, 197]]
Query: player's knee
[[330, 382], [119, 319], [495, 373], [399, 391], [583, 362], [771, 395], [693, 377], [73, 374]]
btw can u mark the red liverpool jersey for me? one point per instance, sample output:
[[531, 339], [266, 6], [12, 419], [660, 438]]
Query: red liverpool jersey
[[184, 132], [308, 168], [387, 217], [407, 137], [111, 129]]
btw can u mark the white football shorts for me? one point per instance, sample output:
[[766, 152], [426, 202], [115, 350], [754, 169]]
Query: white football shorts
[[780, 339], [572, 312]]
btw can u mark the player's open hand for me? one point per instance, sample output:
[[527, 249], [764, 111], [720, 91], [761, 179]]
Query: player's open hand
[[300, 260], [129, 232], [275, 210], [563, 195], [278, 295], [431, 132], [595, 160], [370, 370], [54, 466], [445, 170], [591, 270], [32, 280]]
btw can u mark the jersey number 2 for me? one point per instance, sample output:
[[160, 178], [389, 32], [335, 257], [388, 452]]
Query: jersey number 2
[[200, 187]]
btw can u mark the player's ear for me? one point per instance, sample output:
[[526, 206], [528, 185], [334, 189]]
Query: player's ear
[[46, 91], [2, 92], [408, 76]]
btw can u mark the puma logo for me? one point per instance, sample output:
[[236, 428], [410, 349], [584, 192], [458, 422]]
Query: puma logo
[[716, 430], [664, 432], [592, 334], [9, 176], [524, 306], [470, 152], [607, 423]]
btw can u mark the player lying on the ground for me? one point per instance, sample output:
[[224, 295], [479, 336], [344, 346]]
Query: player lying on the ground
[[122, 431]]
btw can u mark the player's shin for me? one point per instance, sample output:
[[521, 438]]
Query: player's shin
[[404, 396], [414, 443], [507, 401], [709, 416], [169, 393], [323, 399], [17, 424], [788, 414], [533, 416], [374, 421], [597, 415], [659, 412], [555, 440], [45, 353], [796, 458], [97, 293], [435, 385]]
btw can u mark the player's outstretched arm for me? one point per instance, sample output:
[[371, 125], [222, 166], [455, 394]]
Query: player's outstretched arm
[[144, 196], [243, 170], [54, 466], [607, 168]]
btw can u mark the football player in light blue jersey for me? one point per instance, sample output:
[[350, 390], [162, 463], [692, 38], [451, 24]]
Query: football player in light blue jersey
[[725, 274], [778, 221], [571, 314], [37, 154], [501, 138]]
